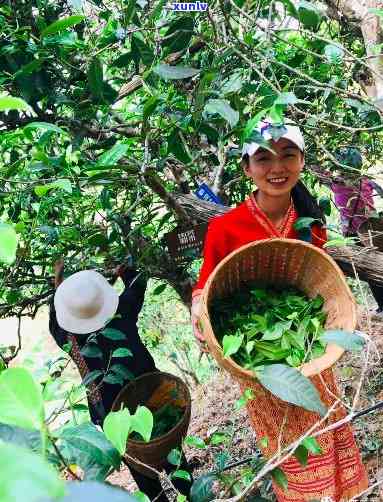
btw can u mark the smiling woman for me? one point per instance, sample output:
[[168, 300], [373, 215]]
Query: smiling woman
[[273, 161]]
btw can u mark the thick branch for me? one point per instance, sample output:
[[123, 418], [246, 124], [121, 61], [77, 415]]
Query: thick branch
[[155, 183], [359, 11], [368, 262], [136, 81]]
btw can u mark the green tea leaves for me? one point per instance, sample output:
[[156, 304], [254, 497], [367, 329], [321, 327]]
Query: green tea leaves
[[291, 386], [312, 445], [168, 72], [222, 107], [21, 401], [231, 344], [345, 339], [62, 24], [8, 244], [142, 422], [117, 426], [195, 441]]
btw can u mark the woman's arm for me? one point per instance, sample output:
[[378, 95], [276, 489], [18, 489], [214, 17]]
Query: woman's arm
[[213, 252]]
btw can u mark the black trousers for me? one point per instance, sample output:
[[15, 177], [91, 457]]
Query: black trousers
[[377, 292], [152, 487]]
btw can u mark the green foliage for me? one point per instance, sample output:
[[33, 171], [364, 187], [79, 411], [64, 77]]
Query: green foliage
[[175, 457], [8, 244], [113, 334], [117, 426], [261, 326], [280, 478], [194, 441], [26, 476], [142, 422], [87, 442], [99, 94], [61, 25], [168, 72], [349, 341], [12, 103], [202, 488], [273, 326], [21, 401], [247, 395], [96, 119], [291, 386]]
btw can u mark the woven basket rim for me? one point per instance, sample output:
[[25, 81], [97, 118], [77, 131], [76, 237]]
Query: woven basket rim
[[306, 368], [158, 439]]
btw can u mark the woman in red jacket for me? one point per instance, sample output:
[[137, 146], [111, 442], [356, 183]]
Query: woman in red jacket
[[271, 211]]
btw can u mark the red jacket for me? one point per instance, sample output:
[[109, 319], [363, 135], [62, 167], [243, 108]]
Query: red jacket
[[240, 226]]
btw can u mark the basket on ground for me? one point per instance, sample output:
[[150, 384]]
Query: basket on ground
[[281, 262], [370, 233], [154, 390]]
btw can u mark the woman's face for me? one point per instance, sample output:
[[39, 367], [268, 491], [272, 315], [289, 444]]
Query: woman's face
[[276, 173]]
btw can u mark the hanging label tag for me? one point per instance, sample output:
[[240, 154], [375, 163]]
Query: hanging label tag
[[186, 242], [205, 193]]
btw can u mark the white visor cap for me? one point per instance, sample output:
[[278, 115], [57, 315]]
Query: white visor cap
[[293, 133]]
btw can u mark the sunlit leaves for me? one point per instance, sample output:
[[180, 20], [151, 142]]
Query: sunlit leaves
[[168, 72], [12, 103], [117, 426], [291, 386], [8, 244], [62, 24], [223, 108], [63, 184], [21, 401], [26, 476]]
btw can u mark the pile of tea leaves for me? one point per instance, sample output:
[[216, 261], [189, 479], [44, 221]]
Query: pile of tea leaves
[[259, 327], [164, 420]]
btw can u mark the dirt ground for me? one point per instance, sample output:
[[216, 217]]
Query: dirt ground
[[213, 411]]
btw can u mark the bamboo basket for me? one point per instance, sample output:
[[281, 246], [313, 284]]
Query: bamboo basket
[[153, 390], [370, 233], [281, 262]]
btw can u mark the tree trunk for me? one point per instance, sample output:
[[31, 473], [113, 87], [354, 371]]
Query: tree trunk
[[358, 12], [367, 262]]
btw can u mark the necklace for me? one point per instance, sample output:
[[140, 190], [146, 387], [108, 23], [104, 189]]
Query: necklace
[[280, 230], [286, 217]]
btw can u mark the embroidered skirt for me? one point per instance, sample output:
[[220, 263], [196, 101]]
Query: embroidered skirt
[[337, 473]]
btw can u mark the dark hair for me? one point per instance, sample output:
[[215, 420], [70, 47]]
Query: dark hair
[[305, 204]]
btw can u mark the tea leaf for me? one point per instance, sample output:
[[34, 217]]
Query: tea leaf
[[231, 344], [345, 339], [291, 386], [117, 426], [142, 422], [195, 441]]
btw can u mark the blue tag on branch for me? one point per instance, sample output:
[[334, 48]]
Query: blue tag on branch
[[205, 193]]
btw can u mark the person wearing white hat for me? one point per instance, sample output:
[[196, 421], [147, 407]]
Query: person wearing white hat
[[273, 160], [84, 304]]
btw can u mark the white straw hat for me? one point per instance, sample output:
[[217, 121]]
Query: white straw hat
[[293, 133], [85, 302]]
